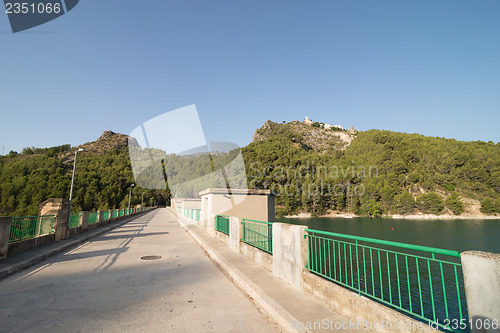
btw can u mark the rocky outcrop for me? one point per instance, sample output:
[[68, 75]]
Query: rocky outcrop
[[310, 137]]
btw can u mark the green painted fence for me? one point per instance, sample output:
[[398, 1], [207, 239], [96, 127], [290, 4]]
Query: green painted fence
[[192, 213], [423, 282], [222, 224], [93, 217], [258, 234], [28, 227], [75, 220]]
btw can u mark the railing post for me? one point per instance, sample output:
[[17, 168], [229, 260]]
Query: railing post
[[211, 225], [5, 225], [289, 252], [241, 231], [234, 233], [85, 220], [100, 216], [61, 221], [482, 289]]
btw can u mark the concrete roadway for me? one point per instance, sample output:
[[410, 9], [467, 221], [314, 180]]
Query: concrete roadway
[[104, 286]]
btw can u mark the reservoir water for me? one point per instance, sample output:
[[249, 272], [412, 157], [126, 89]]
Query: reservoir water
[[457, 234]]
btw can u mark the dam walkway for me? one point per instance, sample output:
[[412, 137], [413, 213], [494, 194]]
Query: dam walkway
[[150, 275]]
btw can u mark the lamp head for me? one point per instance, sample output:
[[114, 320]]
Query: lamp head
[[80, 149], [132, 185]]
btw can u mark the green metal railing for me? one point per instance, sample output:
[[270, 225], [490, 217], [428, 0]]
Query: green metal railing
[[28, 227], [93, 217], [192, 213], [258, 234], [222, 224], [424, 282], [75, 220]]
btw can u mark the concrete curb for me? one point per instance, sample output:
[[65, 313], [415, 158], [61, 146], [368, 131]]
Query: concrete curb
[[5, 272], [268, 306]]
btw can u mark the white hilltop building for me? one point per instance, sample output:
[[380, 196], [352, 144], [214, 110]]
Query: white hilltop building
[[308, 121]]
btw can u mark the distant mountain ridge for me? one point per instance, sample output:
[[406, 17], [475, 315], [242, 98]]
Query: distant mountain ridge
[[102, 180], [108, 140], [416, 174]]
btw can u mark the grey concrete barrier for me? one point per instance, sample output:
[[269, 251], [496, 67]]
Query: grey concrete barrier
[[482, 289], [234, 233], [84, 222], [5, 225], [289, 252]]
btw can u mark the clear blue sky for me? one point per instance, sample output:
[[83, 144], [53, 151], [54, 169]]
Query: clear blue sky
[[431, 67]]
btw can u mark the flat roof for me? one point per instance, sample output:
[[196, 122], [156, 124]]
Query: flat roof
[[235, 191]]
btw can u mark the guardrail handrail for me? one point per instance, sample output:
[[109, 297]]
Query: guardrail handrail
[[27, 227], [263, 222], [389, 243], [258, 234], [425, 287], [222, 224], [93, 217], [31, 217]]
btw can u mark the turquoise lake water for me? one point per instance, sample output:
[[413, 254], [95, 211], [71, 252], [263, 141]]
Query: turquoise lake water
[[457, 234]]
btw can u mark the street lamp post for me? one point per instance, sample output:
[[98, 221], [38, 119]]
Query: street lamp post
[[129, 195], [71, 194], [142, 200]]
